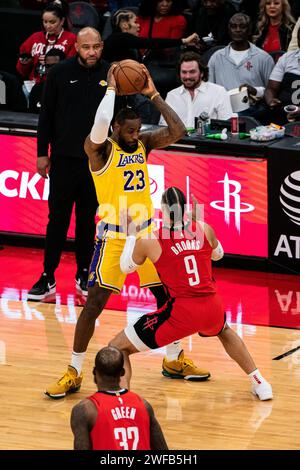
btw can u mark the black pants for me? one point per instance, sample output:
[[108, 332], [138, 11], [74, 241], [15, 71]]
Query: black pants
[[70, 183]]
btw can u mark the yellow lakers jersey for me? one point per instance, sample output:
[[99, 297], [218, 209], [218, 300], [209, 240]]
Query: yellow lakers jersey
[[123, 184]]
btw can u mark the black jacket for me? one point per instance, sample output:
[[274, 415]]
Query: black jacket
[[285, 36], [71, 96]]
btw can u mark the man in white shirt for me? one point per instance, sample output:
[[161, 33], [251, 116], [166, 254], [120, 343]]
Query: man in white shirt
[[196, 94]]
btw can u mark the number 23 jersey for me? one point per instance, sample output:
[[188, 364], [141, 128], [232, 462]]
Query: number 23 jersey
[[123, 183]]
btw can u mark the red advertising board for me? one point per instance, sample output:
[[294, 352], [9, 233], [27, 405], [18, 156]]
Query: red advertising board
[[233, 192]]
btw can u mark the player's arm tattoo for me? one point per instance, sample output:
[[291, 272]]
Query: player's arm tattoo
[[81, 427], [167, 135], [157, 440]]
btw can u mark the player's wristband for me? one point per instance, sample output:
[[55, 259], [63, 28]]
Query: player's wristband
[[218, 252], [154, 95]]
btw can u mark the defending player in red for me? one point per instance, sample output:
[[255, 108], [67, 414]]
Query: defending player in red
[[114, 418], [181, 252]]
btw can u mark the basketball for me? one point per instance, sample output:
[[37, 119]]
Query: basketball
[[130, 77]]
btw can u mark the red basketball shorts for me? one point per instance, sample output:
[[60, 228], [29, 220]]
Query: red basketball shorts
[[177, 319]]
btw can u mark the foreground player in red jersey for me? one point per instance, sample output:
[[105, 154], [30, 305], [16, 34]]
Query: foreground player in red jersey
[[181, 252], [114, 418]]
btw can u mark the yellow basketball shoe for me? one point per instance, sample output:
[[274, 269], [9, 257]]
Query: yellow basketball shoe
[[183, 368], [69, 383]]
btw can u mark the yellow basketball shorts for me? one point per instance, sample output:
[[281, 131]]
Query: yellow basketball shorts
[[105, 267]]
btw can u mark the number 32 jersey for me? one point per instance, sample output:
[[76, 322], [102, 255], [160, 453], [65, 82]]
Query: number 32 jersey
[[122, 423], [184, 266], [123, 183]]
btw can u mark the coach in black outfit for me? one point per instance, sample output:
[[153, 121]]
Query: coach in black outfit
[[73, 91]]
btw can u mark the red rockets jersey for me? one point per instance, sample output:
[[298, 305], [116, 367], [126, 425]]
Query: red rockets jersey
[[184, 266], [123, 422], [37, 44]]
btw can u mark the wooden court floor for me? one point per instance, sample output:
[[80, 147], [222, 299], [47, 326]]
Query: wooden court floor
[[35, 347]]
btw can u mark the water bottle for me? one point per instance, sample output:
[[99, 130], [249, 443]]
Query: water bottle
[[199, 126], [205, 119]]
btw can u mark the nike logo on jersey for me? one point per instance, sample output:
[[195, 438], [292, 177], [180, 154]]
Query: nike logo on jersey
[[73, 81], [130, 159]]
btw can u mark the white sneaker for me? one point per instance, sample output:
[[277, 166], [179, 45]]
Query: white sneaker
[[263, 391]]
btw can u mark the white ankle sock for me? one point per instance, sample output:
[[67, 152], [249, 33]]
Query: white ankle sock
[[77, 361], [256, 377], [173, 350]]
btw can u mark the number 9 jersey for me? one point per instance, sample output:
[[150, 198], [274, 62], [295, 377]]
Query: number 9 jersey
[[123, 184], [184, 266]]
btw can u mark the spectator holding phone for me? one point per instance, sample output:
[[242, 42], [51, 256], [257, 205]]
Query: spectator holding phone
[[31, 62]]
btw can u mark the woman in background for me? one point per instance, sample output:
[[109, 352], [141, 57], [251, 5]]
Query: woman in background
[[275, 25], [31, 62], [161, 19]]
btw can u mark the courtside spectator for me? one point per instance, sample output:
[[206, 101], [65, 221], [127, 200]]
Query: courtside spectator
[[242, 64], [275, 25], [282, 89], [31, 62], [197, 94]]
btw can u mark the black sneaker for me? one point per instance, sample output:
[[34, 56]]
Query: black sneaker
[[45, 286], [82, 281]]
